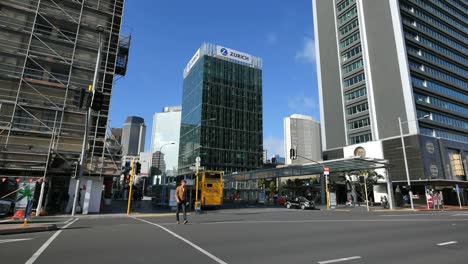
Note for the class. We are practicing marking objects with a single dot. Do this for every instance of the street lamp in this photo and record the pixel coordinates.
(163, 191)
(404, 157)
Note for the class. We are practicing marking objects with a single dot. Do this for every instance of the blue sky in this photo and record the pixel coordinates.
(166, 33)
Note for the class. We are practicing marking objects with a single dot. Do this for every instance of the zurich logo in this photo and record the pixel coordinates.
(224, 52)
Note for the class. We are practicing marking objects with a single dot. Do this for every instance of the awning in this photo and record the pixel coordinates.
(337, 165)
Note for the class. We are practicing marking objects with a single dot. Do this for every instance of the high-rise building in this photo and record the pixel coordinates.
(158, 162)
(48, 52)
(222, 111)
(378, 61)
(166, 130)
(302, 133)
(133, 136)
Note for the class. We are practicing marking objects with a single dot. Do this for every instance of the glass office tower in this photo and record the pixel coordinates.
(221, 111)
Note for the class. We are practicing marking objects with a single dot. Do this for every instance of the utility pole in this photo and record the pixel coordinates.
(406, 165)
(132, 176)
(88, 121)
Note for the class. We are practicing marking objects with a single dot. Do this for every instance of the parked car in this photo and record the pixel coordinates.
(6, 207)
(300, 202)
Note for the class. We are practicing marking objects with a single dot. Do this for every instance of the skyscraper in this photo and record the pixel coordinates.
(302, 133)
(48, 52)
(133, 136)
(222, 111)
(379, 61)
(166, 130)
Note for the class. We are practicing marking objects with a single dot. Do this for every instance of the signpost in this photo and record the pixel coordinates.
(457, 188)
(326, 172)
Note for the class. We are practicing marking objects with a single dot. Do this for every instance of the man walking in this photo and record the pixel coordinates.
(180, 198)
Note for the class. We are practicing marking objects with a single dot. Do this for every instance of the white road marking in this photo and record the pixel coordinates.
(47, 243)
(447, 243)
(460, 215)
(186, 241)
(338, 260)
(13, 240)
(68, 221)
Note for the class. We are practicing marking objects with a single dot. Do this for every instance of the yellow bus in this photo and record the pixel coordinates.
(210, 188)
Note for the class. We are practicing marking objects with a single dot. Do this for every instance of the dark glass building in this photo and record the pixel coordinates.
(222, 111)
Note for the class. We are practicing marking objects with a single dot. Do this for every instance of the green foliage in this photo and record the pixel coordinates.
(25, 192)
(272, 186)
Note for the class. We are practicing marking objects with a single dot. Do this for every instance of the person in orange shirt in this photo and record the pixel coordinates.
(180, 196)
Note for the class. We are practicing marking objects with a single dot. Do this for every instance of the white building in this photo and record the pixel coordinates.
(302, 133)
(166, 130)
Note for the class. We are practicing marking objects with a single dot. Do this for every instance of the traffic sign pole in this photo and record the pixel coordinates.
(458, 194)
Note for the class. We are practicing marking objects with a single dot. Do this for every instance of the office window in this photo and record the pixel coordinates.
(354, 80)
(360, 138)
(356, 94)
(357, 109)
(346, 16)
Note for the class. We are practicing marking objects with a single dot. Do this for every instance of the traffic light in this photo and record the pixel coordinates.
(126, 169)
(292, 154)
(127, 178)
(137, 168)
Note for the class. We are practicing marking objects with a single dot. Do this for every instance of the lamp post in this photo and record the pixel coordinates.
(405, 159)
(88, 121)
(163, 191)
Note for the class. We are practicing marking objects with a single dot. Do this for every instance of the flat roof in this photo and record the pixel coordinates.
(337, 165)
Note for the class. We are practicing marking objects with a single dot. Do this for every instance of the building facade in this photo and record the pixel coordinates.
(166, 130)
(379, 61)
(222, 111)
(48, 52)
(302, 133)
(133, 136)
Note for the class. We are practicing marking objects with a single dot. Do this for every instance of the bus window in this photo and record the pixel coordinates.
(213, 176)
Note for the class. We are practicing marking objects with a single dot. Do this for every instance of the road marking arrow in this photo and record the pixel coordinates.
(13, 240)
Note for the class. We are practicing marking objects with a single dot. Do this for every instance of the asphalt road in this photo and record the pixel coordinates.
(249, 236)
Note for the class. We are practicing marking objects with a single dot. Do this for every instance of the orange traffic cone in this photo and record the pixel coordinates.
(18, 215)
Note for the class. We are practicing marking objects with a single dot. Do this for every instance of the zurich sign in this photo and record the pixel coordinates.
(224, 52)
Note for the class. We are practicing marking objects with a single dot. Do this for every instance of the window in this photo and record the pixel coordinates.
(449, 120)
(451, 136)
(360, 138)
(357, 109)
(351, 53)
(436, 22)
(437, 60)
(353, 66)
(438, 88)
(359, 123)
(435, 34)
(437, 47)
(356, 94)
(349, 40)
(343, 18)
(22, 120)
(352, 25)
(456, 163)
(355, 79)
(344, 4)
(440, 14)
(438, 74)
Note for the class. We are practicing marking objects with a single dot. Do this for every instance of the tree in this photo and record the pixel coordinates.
(370, 178)
(272, 187)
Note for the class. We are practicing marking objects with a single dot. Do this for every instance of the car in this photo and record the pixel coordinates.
(300, 202)
(6, 207)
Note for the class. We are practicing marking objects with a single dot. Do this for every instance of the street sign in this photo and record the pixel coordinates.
(326, 170)
(197, 161)
(199, 168)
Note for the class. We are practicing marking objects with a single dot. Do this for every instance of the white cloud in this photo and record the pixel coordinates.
(307, 54)
(274, 145)
(272, 38)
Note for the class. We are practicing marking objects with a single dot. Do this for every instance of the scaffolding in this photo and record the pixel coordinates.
(48, 50)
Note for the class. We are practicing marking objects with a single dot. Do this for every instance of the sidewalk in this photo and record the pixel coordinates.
(10, 229)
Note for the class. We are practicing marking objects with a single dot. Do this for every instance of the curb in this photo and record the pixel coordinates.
(31, 229)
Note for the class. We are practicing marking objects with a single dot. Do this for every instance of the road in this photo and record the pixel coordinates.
(249, 236)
